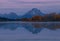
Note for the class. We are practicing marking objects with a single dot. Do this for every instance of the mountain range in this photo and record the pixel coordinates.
(29, 14)
(32, 15)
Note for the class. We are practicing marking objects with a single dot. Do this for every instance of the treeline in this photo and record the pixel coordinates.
(7, 19)
(45, 18)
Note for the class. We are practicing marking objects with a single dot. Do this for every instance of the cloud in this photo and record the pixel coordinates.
(34, 1)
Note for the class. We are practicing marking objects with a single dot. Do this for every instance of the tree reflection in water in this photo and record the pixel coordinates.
(32, 27)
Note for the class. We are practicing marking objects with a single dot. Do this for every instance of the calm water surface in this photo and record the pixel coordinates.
(26, 31)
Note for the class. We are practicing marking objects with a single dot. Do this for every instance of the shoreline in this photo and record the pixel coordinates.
(25, 22)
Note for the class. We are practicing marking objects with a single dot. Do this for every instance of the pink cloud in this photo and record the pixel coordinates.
(38, 0)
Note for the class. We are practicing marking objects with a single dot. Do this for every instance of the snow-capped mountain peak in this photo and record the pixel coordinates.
(32, 13)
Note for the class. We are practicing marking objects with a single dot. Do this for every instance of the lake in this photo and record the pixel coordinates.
(29, 31)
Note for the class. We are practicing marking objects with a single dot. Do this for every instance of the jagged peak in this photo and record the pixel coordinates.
(35, 9)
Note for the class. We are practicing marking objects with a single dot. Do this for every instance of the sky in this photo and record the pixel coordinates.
(26, 3)
(24, 6)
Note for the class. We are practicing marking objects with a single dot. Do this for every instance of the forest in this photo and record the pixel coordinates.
(52, 17)
(46, 18)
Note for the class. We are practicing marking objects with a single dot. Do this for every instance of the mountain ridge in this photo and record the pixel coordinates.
(32, 13)
(29, 14)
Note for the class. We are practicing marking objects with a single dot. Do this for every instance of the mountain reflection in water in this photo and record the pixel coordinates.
(32, 27)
